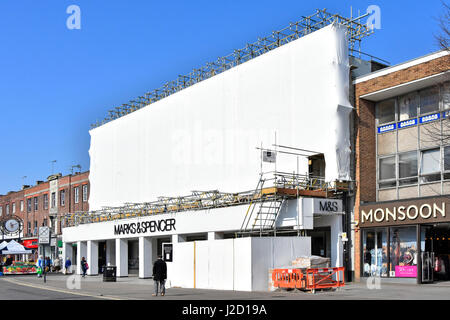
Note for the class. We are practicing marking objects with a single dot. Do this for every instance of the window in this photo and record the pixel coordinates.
(29, 205)
(429, 100)
(36, 203)
(21, 205)
(403, 252)
(375, 254)
(45, 201)
(446, 95)
(386, 111)
(85, 193)
(35, 228)
(430, 165)
(407, 168)
(7, 209)
(77, 194)
(408, 106)
(387, 172)
(53, 199)
(44, 223)
(29, 228)
(14, 208)
(1, 211)
(62, 197)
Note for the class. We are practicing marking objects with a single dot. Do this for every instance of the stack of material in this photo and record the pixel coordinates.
(311, 262)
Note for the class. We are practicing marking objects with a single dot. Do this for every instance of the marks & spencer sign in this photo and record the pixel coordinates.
(408, 212)
(164, 225)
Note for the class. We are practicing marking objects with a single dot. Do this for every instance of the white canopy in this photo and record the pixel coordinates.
(14, 247)
(3, 245)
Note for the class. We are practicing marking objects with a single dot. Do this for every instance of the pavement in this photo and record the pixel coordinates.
(58, 286)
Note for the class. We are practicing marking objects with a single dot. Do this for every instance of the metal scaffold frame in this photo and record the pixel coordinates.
(321, 18)
(276, 185)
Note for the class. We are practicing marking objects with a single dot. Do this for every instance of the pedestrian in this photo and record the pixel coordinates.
(159, 276)
(67, 266)
(56, 265)
(48, 264)
(40, 265)
(84, 266)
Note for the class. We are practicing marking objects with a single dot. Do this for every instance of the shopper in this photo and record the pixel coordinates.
(40, 266)
(84, 266)
(67, 266)
(159, 276)
(57, 265)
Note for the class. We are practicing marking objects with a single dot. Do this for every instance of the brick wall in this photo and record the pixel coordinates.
(365, 132)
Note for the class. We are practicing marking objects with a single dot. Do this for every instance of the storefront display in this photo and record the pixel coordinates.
(403, 252)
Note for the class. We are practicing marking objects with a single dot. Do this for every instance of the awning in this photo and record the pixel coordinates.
(14, 247)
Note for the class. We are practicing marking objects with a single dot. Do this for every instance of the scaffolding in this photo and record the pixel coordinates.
(273, 186)
(321, 18)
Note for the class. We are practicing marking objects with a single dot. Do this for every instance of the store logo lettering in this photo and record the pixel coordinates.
(412, 212)
(386, 128)
(330, 206)
(407, 123)
(143, 227)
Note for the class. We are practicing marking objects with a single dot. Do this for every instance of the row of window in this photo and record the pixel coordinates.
(33, 203)
(410, 167)
(410, 105)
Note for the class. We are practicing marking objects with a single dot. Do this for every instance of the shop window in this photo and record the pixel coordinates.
(403, 262)
(407, 168)
(387, 172)
(375, 253)
(430, 165)
(408, 106)
(386, 111)
(429, 100)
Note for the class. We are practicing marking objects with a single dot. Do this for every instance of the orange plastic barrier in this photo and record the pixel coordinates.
(308, 279)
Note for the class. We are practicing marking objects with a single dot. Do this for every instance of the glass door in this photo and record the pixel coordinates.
(375, 253)
(426, 246)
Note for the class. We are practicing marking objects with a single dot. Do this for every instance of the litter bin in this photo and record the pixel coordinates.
(109, 273)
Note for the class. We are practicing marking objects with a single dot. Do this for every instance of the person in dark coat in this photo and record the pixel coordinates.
(159, 276)
(84, 266)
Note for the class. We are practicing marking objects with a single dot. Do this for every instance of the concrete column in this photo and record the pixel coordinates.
(145, 257)
(110, 253)
(92, 258)
(154, 241)
(67, 253)
(81, 252)
(215, 235)
(122, 257)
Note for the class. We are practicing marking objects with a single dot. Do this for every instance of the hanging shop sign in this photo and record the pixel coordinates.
(164, 225)
(408, 212)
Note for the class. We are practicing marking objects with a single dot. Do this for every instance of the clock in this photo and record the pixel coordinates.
(12, 225)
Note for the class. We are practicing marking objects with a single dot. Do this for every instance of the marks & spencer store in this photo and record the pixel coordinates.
(406, 239)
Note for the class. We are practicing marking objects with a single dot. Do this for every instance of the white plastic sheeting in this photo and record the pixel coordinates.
(205, 136)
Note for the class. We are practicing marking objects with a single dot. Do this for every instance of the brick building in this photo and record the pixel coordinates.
(45, 203)
(402, 147)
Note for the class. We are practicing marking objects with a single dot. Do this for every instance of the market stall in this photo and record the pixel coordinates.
(14, 248)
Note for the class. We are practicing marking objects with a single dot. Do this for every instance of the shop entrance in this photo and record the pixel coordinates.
(133, 257)
(101, 256)
(320, 241)
(435, 243)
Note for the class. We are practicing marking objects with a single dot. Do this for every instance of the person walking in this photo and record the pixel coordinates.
(40, 266)
(67, 266)
(159, 276)
(84, 266)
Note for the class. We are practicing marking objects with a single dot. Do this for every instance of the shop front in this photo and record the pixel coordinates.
(407, 239)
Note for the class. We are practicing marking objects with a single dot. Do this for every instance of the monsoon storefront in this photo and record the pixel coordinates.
(406, 239)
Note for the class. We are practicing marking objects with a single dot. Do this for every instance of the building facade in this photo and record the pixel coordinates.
(402, 217)
(44, 204)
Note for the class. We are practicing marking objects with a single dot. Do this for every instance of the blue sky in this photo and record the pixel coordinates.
(55, 82)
